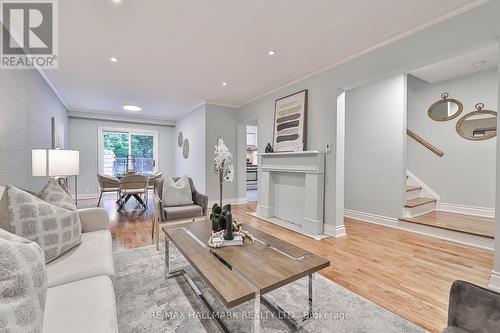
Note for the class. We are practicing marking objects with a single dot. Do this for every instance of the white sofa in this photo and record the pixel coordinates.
(80, 295)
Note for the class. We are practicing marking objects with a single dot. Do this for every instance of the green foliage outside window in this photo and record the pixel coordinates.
(141, 145)
(117, 143)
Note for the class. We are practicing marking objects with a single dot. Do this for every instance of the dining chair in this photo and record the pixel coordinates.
(108, 184)
(133, 185)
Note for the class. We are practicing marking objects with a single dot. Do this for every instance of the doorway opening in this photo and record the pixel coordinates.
(251, 161)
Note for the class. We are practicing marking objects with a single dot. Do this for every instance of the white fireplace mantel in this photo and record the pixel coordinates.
(291, 190)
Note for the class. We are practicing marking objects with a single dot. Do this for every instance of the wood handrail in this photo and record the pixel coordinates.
(424, 143)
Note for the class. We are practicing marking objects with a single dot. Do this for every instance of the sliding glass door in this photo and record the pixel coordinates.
(127, 149)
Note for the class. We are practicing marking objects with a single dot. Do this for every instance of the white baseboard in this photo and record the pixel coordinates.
(335, 231)
(479, 242)
(231, 201)
(468, 210)
(494, 281)
(288, 226)
(372, 218)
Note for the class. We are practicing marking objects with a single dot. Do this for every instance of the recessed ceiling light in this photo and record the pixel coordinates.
(271, 52)
(224, 84)
(117, 1)
(478, 63)
(130, 107)
(113, 59)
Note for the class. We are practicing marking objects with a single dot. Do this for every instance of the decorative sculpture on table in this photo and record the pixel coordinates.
(224, 227)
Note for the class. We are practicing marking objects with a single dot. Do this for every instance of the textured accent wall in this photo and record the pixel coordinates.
(27, 104)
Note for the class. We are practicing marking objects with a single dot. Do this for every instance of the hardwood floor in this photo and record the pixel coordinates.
(480, 226)
(406, 273)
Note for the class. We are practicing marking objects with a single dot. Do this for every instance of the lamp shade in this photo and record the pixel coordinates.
(63, 162)
(39, 162)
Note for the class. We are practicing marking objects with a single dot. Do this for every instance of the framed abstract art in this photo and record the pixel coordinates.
(290, 122)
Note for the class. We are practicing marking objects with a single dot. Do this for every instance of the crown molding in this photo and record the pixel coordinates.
(108, 116)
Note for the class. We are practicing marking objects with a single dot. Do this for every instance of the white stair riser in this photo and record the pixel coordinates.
(413, 194)
(419, 210)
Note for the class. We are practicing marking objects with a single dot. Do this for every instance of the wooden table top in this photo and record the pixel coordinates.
(266, 264)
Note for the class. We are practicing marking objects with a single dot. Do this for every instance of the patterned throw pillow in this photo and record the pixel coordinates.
(55, 229)
(23, 284)
(53, 193)
(177, 193)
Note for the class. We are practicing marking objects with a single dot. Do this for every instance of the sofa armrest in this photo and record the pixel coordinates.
(201, 200)
(94, 219)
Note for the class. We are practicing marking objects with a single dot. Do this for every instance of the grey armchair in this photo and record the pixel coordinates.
(473, 309)
(176, 214)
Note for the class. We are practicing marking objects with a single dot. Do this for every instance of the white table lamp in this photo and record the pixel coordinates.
(39, 162)
(56, 163)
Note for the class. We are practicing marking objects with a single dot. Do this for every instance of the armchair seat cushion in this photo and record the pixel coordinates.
(93, 257)
(182, 212)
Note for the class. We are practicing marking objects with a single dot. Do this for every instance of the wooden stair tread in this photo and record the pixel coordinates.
(410, 188)
(473, 225)
(412, 203)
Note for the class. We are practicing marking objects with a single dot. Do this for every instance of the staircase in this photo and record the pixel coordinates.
(422, 215)
(419, 199)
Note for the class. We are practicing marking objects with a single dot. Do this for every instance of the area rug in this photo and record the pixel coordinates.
(149, 302)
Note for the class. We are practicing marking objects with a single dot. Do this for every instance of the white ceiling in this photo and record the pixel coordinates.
(464, 64)
(174, 54)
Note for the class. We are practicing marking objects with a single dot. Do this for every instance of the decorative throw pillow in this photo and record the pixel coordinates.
(177, 193)
(23, 284)
(55, 229)
(53, 193)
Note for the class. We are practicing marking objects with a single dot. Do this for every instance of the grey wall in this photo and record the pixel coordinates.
(321, 122)
(465, 175)
(27, 104)
(84, 137)
(375, 139)
(221, 122)
(192, 127)
(422, 48)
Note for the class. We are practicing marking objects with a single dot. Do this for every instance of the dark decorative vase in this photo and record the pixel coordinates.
(222, 223)
(228, 235)
(269, 149)
(215, 224)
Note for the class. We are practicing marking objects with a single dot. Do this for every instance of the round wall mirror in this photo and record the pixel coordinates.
(478, 125)
(445, 109)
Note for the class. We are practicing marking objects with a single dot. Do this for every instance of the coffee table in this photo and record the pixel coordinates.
(239, 274)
